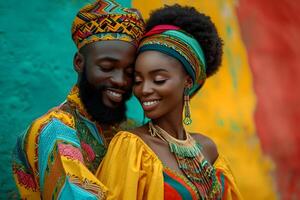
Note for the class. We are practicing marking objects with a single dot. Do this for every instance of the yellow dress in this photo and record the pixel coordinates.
(131, 170)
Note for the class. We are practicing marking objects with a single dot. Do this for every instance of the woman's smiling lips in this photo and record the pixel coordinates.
(149, 104)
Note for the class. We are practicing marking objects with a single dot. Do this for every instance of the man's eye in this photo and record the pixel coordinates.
(105, 69)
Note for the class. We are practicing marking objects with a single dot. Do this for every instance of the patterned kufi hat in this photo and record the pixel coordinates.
(107, 20)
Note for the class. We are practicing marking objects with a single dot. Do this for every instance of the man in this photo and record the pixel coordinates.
(60, 152)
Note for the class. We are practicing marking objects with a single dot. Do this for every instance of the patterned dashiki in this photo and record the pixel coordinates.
(60, 152)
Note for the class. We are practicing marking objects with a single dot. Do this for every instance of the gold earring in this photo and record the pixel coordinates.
(187, 111)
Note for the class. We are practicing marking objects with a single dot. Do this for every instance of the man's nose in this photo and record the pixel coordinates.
(118, 78)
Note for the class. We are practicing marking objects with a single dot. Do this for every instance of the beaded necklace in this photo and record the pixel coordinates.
(192, 162)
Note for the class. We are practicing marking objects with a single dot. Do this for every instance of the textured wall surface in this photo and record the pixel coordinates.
(271, 31)
(36, 67)
(37, 73)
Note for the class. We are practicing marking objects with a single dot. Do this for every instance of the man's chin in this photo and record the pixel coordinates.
(111, 104)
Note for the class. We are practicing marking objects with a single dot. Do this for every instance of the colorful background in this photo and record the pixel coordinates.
(250, 108)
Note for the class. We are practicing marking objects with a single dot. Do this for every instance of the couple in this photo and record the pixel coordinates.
(164, 62)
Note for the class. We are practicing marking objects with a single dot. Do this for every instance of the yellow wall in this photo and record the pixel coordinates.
(224, 107)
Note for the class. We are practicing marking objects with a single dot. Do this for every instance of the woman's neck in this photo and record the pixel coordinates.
(172, 125)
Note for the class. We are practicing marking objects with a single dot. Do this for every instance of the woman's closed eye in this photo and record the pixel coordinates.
(137, 80)
(159, 79)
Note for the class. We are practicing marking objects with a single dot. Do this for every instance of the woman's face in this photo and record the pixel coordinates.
(159, 84)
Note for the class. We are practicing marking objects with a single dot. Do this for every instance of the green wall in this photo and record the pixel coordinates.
(36, 68)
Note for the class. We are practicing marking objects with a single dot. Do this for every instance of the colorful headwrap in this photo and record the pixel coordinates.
(107, 20)
(174, 42)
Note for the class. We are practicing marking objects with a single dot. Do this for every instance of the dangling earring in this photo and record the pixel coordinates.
(187, 111)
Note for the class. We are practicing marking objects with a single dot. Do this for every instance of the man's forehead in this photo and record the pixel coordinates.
(115, 45)
(113, 51)
(112, 44)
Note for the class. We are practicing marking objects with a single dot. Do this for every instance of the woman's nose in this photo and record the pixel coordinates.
(147, 88)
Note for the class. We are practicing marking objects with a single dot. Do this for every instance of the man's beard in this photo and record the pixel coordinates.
(91, 97)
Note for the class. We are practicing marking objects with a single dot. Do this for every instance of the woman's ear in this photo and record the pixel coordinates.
(188, 82)
(78, 62)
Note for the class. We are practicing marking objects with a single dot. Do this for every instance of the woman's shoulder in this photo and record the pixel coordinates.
(134, 140)
(210, 149)
(136, 135)
(132, 137)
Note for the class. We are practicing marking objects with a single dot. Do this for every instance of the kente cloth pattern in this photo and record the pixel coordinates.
(58, 155)
(176, 43)
(107, 20)
(178, 187)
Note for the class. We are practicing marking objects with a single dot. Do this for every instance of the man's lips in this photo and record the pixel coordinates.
(114, 95)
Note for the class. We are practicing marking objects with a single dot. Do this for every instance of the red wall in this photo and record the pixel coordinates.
(271, 32)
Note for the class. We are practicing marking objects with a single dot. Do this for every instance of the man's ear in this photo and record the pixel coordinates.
(78, 62)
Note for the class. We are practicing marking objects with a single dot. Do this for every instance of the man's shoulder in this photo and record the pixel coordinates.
(55, 117)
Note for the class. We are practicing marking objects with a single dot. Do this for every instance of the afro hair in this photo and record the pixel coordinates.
(198, 25)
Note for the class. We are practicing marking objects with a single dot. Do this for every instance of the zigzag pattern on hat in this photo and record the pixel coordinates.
(109, 24)
(106, 17)
(109, 7)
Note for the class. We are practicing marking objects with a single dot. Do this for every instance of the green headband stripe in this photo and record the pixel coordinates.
(195, 46)
(170, 52)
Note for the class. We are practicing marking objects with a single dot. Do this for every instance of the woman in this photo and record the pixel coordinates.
(160, 160)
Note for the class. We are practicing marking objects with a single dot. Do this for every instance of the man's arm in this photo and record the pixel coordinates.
(54, 155)
(23, 173)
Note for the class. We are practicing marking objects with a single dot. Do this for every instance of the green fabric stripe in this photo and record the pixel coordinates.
(125, 3)
(181, 189)
(222, 183)
(192, 42)
(172, 53)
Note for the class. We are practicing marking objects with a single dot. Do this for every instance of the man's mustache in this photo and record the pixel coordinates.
(105, 87)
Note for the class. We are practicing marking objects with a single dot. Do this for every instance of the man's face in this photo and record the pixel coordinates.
(106, 79)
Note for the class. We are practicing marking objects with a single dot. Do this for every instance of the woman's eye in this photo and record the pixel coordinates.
(137, 81)
(160, 81)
